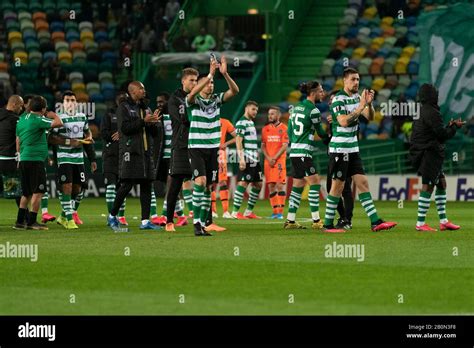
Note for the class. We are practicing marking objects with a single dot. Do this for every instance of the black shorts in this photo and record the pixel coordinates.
(72, 174)
(163, 170)
(179, 163)
(110, 178)
(204, 163)
(251, 173)
(425, 180)
(303, 167)
(344, 165)
(33, 177)
(8, 167)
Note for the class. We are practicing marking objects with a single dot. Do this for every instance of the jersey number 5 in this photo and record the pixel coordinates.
(298, 123)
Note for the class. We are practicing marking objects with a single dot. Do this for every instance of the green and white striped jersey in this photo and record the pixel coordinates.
(245, 128)
(73, 127)
(168, 135)
(304, 120)
(344, 139)
(204, 115)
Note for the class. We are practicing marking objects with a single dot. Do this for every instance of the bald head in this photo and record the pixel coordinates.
(15, 104)
(136, 90)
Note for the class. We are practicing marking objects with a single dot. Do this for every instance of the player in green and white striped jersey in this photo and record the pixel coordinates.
(70, 159)
(304, 121)
(250, 171)
(344, 159)
(203, 110)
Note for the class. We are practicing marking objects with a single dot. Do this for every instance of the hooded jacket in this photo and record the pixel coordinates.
(429, 134)
(136, 141)
(8, 121)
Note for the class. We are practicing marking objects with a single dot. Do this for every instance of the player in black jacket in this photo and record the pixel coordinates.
(110, 157)
(427, 152)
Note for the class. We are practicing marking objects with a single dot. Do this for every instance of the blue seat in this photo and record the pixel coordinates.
(72, 35)
(49, 55)
(56, 26)
(413, 68)
(96, 98)
(109, 94)
(338, 68)
(65, 86)
(352, 32)
(375, 32)
(101, 36)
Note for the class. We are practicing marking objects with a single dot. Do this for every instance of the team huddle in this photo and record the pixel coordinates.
(183, 144)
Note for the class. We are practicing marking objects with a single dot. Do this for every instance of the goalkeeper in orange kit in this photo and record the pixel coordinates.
(274, 145)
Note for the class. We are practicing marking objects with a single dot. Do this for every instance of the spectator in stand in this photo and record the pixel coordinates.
(146, 40)
(124, 29)
(171, 10)
(229, 41)
(203, 42)
(16, 86)
(161, 29)
(182, 43)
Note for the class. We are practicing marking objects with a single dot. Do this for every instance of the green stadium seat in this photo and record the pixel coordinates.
(2, 57)
(21, 6)
(76, 76)
(6, 6)
(79, 56)
(17, 46)
(404, 81)
(26, 24)
(35, 57)
(105, 76)
(85, 26)
(24, 15)
(61, 46)
(93, 88)
(364, 65)
(32, 45)
(35, 6)
(12, 25)
(389, 65)
(383, 95)
(68, 25)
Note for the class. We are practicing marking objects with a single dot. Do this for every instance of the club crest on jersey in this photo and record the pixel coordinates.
(208, 109)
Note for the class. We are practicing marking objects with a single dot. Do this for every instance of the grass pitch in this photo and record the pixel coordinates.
(255, 267)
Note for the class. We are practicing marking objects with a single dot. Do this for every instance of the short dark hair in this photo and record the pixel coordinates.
(309, 86)
(274, 107)
(68, 94)
(37, 103)
(349, 71)
(27, 98)
(251, 102)
(201, 76)
(164, 94)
